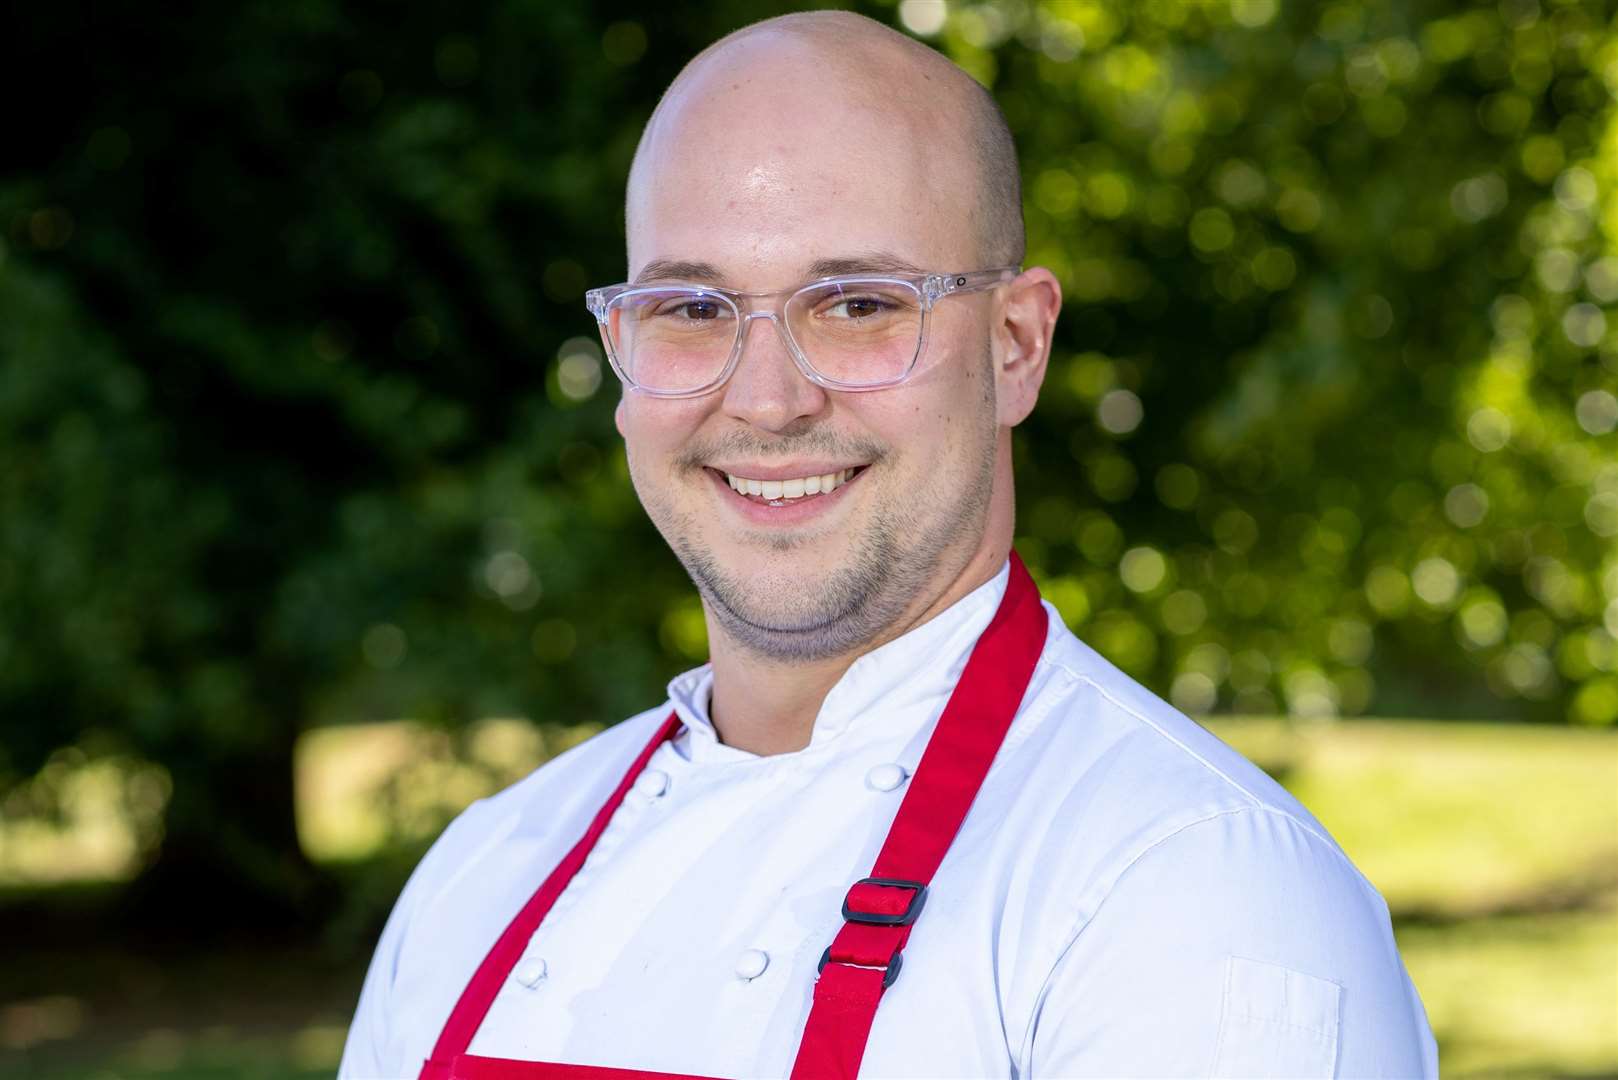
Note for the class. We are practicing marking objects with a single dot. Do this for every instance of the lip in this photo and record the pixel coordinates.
(796, 512)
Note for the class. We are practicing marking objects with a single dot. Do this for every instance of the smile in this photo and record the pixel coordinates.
(781, 499)
(796, 488)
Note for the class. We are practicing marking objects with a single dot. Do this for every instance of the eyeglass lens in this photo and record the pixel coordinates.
(856, 332)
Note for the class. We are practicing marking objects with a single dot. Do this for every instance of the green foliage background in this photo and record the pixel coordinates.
(302, 420)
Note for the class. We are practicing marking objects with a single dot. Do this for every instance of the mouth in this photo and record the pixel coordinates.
(785, 492)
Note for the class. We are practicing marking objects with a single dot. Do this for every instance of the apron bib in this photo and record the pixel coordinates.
(865, 956)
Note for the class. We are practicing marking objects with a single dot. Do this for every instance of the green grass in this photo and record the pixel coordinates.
(1496, 847)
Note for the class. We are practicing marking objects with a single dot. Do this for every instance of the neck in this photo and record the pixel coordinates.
(765, 706)
(768, 706)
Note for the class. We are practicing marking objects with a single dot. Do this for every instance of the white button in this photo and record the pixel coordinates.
(751, 964)
(530, 973)
(886, 777)
(652, 783)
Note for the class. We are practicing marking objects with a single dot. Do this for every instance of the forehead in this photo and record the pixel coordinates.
(771, 156)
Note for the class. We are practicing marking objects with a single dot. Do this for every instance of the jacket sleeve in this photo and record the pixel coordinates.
(1246, 945)
(367, 1033)
(374, 1047)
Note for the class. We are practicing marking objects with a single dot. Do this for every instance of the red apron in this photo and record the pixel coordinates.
(864, 957)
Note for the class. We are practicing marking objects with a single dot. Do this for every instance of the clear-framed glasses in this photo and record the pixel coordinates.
(854, 332)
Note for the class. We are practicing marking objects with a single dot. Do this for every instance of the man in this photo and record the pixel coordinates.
(1073, 879)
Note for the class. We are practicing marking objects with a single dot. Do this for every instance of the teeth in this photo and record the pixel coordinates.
(789, 489)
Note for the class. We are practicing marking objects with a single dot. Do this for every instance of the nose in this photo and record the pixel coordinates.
(767, 390)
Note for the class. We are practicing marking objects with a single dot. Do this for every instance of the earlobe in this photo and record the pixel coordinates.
(618, 413)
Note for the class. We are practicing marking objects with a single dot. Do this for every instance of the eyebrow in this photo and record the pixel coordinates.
(875, 262)
(679, 270)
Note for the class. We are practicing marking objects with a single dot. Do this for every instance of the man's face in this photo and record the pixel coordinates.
(748, 176)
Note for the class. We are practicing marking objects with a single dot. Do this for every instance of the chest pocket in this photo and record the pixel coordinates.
(1276, 1022)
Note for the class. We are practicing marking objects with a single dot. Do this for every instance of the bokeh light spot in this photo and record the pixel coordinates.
(1482, 621)
(1193, 693)
(509, 577)
(1388, 591)
(50, 228)
(1211, 230)
(1184, 611)
(1274, 268)
(1488, 429)
(1601, 514)
(578, 368)
(1597, 411)
(1119, 412)
(1112, 476)
(1099, 539)
(1576, 190)
(1584, 324)
(1596, 702)
(923, 17)
(1478, 197)
(1436, 581)
(1601, 278)
(1142, 569)
(1070, 598)
(1298, 210)
(1235, 531)
(1253, 13)
(1178, 486)
(1466, 505)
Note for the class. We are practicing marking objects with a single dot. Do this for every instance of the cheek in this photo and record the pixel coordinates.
(655, 428)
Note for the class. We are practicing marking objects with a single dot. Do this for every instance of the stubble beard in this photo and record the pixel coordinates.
(825, 612)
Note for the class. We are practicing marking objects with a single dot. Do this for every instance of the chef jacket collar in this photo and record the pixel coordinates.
(881, 689)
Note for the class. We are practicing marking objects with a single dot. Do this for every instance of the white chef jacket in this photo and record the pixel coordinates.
(1127, 897)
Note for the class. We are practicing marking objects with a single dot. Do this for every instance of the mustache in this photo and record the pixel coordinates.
(735, 444)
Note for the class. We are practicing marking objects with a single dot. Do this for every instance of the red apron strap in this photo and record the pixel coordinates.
(864, 957)
(480, 993)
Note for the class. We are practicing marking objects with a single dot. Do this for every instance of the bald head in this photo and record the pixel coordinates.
(893, 109)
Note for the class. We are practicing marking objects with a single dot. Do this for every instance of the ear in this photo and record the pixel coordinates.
(1021, 336)
(618, 412)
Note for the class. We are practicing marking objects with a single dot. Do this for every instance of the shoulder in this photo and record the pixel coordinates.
(1172, 882)
(475, 876)
(579, 779)
(1099, 774)
(548, 806)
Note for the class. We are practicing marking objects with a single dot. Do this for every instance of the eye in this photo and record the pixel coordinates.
(692, 309)
(857, 307)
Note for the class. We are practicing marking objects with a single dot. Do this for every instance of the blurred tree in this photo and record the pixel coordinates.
(301, 418)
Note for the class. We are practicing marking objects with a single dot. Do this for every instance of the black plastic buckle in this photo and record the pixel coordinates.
(876, 918)
(891, 972)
